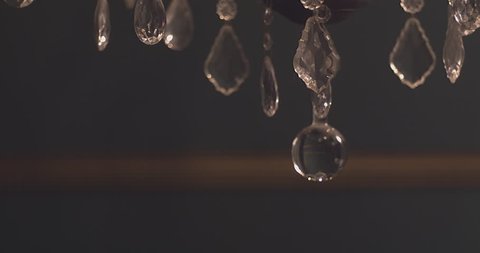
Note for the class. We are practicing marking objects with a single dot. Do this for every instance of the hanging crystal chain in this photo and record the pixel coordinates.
(227, 66)
(268, 79)
(318, 151)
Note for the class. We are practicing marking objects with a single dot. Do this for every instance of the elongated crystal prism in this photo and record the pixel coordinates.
(316, 60)
(102, 24)
(319, 152)
(149, 21)
(453, 50)
(179, 30)
(412, 58)
(19, 3)
(412, 6)
(467, 14)
(269, 88)
(226, 66)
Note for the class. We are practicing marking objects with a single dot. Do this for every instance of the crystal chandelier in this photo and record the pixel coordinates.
(319, 150)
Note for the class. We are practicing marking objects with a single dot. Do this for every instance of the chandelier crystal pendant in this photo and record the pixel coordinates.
(149, 21)
(227, 66)
(453, 49)
(179, 29)
(412, 58)
(467, 14)
(268, 78)
(19, 3)
(318, 151)
(102, 24)
(316, 60)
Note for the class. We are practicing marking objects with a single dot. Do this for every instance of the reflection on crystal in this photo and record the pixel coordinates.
(321, 103)
(149, 21)
(453, 50)
(412, 6)
(467, 14)
(130, 4)
(268, 15)
(102, 24)
(269, 88)
(412, 58)
(319, 152)
(316, 60)
(226, 9)
(19, 3)
(226, 66)
(179, 30)
(267, 41)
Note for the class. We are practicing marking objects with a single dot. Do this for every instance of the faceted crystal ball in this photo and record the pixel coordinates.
(226, 9)
(319, 152)
(412, 6)
(467, 14)
(312, 4)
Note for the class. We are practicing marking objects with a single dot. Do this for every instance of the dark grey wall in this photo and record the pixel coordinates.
(341, 222)
(58, 95)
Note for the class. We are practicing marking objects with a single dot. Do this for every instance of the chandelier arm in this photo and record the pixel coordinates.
(341, 10)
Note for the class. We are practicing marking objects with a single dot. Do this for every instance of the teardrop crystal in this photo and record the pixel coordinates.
(269, 88)
(467, 14)
(412, 6)
(129, 4)
(149, 21)
(19, 3)
(179, 30)
(453, 50)
(102, 24)
(316, 60)
(321, 103)
(226, 66)
(412, 58)
(319, 152)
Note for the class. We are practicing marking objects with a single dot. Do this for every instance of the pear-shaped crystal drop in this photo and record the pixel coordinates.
(319, 152)
(179, 30)
(19, 3)
(316, 60)
(412, 6)
(412, 58)
(453, 50)
(269, 88)
(129, 4)
(226, 66)
(102, 24)
(149, 21)
(467, 14)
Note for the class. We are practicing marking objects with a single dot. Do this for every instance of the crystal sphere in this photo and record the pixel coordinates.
(226, 9)
(312, 4)
(412, 6)
(19, 3)
(319, 152)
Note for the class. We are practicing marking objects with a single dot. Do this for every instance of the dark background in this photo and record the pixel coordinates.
(59, 96)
